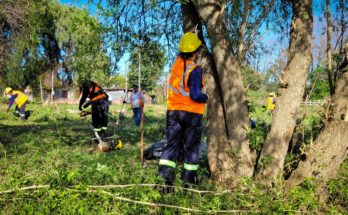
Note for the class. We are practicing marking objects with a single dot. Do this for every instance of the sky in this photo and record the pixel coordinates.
(269, 38)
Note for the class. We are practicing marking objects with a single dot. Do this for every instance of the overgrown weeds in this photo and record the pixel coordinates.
(51, 148)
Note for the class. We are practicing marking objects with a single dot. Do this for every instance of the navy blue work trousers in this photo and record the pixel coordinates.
(137, 115)
(184, 132)
(100, 111)
(21, 110)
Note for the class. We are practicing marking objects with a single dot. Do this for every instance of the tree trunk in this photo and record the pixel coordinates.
(331, 147)
(276, 145)
(2, 56)
(41, 91)
(52, 84)
(329, 50)
(236, 155)
(242, 31)
(343, 24)
(216, 132)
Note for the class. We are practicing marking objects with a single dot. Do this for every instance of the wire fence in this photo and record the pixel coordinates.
(310, 103)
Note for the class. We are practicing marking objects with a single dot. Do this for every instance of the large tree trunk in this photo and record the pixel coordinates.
(216, 127)
(236, 155)
(331, 147)
(329, 50)
(288, 103)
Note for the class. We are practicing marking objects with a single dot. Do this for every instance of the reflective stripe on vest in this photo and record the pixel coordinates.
(178, 90)
(192, 167)
(20, 99)
(167, 163)
(97, 129)
(182, 91)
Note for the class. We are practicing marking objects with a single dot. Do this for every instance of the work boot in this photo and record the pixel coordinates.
(102, 134)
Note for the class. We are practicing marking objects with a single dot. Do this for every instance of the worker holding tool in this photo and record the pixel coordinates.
(137, 103)
(98, 99)
(18, 98)
(185, 108)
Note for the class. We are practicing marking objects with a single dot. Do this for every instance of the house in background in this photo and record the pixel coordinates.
(118, 95)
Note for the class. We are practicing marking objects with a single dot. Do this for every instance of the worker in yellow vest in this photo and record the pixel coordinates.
(271, 102)
(18, 98)
(185, 109)
(137, 101)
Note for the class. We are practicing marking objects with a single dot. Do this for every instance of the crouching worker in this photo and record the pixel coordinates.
(185, 108)
(98, 99)
(19, 98)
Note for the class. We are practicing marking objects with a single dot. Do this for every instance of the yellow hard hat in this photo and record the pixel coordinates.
(189, 43)
(272, 94)
(8, 90)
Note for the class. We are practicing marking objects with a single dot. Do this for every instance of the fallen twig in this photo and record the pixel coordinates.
(168, 206)
(96, 187)
(158, 185)
(34, 187)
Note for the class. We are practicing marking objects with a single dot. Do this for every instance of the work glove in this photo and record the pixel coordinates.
(124, 102)
(86, 105)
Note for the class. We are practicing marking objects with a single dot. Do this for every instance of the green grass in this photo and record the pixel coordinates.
(52, 148)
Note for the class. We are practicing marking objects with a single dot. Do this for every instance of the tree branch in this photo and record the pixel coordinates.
(34, 187)
(242, 31)
(257, 25)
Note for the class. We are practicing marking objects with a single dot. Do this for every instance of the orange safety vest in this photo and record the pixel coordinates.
(96, 90)
(141, 102)
(178, 89)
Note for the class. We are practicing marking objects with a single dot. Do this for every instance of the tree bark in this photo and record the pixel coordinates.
(236, 155)
(329, 49)
(216, 132)
(331, 147)
(242, 31)
(276, 145)
(41, 91)
(2, 56)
